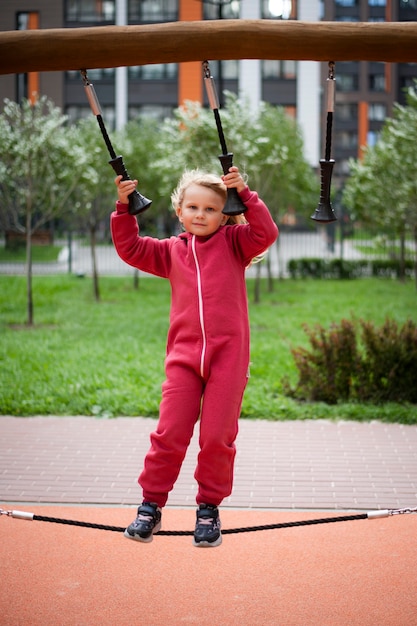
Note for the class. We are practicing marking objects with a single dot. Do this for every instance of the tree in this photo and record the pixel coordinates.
(39, 171)
(382, 188)
(94, 196)
(142, 144)
(266, 144)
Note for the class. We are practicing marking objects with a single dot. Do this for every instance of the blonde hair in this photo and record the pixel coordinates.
(213, 182)
(205, 179)
(197, 177)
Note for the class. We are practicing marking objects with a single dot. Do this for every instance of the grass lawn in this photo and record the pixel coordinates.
(106, 359)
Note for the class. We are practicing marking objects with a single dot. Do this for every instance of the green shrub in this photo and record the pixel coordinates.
(391, 268)
(312, 267)
(325, 371)
(379, 366)
(388, 369)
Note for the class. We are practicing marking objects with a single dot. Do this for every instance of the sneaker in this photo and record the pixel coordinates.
(147, 522)
(207, 528)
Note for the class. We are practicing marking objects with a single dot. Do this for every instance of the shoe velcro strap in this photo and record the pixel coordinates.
(208, 512)
(147, 509)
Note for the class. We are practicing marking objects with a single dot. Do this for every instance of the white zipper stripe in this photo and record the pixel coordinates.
(200, 306)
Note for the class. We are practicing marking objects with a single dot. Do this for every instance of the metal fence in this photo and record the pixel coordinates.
(320, 243)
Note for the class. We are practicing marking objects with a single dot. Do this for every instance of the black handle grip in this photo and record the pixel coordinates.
(234, 205)
(324, 212)
(137, 202)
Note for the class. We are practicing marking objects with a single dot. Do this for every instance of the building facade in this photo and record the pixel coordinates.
(365, 92)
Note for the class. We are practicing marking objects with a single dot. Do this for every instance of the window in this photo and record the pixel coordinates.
(406, 82)
(278, 9)
(278, 69)
(346, 140)
(343, 167)
(153, 111)
(229, 69)
(346, 112)
(377, 112)
(377, 82)
(408, 4)
(377, 3)
(79, 112)
(90, 10)
(346, 3)
(347, 76)
(22, 21)
(347, 82)
(152, 10)
(228, 9)
(157, 71)
(372, 138)
(93, 75)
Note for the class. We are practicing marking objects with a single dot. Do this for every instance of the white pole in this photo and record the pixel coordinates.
(250, 69)
(308, 90)
(121, 100)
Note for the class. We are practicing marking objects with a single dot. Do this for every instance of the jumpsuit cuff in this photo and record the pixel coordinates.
(245, 194)
(121, 207)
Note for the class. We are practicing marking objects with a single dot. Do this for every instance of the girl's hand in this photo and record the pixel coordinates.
(234, 179)
(124, 188)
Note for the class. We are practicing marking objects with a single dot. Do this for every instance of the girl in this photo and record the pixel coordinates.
(207, 355)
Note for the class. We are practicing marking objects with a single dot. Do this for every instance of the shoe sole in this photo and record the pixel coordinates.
(143, 539)
(207, 544)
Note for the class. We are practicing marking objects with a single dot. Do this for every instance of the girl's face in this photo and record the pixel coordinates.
(201, 210)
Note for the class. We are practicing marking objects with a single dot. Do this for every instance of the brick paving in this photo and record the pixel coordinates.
(279, 465)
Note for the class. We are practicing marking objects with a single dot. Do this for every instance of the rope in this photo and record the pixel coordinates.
(106, 136)
(57, 520)
(329, 123)
(220, 131)
(226, 531)
(182, 533)
(308, 522)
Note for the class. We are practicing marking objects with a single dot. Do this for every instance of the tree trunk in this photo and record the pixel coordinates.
(402, 257)
(94, 262)
(136, 279)
(29, 291)
(415, 256)
(69, 244)
(269, 272)
(280, 260)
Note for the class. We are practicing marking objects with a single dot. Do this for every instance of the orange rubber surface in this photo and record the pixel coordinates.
(360, 572)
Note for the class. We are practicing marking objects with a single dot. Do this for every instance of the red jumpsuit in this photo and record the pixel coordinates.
(207, 356)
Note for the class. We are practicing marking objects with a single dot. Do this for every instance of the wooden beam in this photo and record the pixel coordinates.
(174, 42)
